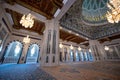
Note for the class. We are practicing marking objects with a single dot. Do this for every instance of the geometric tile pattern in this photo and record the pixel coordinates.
(73, 20)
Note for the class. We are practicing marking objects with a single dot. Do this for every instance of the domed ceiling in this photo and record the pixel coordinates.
(94, 11)
(87, 18)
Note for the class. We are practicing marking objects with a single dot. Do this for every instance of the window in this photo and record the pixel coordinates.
(33, 54)
(17, 49)
(32, 51)
(13, 52)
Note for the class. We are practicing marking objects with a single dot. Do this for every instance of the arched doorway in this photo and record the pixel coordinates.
(71, 55)
(65, 54)
(13, 52)
(77, 55)
(82, 55)
(32, 54)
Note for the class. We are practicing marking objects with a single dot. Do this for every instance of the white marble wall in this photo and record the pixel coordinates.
(51, 26)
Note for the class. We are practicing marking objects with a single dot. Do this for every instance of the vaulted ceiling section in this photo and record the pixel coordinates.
(67, 36)
(38, 25)
(87, 18)
(110, 38)
(46, 8)
(81, 18)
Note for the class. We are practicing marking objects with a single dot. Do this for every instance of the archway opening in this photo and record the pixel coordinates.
(13, 52)
(33, 54)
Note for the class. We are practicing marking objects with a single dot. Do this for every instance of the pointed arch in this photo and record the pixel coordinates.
(65, 54)
(33, 53)
(13, 52)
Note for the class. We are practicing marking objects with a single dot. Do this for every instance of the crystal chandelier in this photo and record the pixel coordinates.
(71, 47)
(113, 15)
(106, 48)
(90, 50)
(79, 48)
(27, 21)
(26, 39)
(60, 45)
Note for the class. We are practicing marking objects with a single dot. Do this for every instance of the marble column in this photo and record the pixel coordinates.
(24, 53)
(117, 51)
(97, 50)
(50, 52)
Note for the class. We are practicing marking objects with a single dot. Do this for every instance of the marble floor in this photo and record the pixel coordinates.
(76, 71)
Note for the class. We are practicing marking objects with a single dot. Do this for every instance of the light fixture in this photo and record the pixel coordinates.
(113, 15)
(61, 28)
(27, 21)
(26, 39)
(69, 31)
(106, 48)
(71, 47)
(90, 50)
(77, 34)
(86, 38)
(60, 45)
(79, 48)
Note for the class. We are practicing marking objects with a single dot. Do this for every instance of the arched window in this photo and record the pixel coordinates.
(82, 55)
(86, 56)
(32, 54)
(13, 52)
(71, 56)
(90, 56)
(65, 54)
(77, 55)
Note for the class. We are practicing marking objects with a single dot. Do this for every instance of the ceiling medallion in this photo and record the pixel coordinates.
(113, 16)
(27, 21)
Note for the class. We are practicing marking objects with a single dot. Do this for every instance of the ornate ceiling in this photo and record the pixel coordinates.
(67, 36)
(87, 18)
(46, 8)
(94, 11)
(38, 25)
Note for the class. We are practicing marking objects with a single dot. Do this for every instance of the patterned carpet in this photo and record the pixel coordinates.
(86, 71)
(79, 71)
(23, 72)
